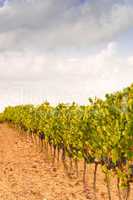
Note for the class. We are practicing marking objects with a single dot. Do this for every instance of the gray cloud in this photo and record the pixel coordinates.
(61, 24)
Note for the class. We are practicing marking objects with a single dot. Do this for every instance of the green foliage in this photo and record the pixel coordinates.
(1, 118)
(101, 131)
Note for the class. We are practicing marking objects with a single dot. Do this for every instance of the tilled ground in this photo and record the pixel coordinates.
(27, 174)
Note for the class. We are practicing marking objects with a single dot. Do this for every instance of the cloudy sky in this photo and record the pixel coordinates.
(64, 50)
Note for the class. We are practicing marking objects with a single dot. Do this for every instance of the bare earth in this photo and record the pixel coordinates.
(26, 174)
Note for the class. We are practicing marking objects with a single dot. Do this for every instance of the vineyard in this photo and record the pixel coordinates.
(100, 133)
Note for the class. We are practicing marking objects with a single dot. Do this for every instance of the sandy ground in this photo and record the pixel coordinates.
(26, 174)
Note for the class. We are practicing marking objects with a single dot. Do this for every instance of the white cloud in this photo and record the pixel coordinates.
(130, 61)
(63, 78)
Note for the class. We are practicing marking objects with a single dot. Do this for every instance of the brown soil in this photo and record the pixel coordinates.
(27, 174)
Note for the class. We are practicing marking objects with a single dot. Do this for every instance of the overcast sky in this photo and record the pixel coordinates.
(64, 50)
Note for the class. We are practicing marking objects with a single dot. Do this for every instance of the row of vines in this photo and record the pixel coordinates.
(100, 133)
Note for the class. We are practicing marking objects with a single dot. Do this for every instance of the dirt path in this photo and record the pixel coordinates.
(25, 173)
